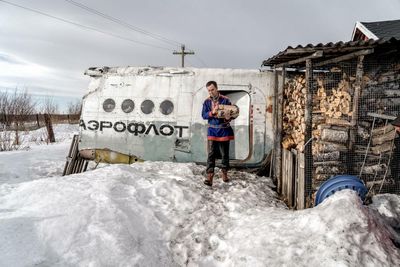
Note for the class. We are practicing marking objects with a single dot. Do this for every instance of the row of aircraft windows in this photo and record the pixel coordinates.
(147, 106)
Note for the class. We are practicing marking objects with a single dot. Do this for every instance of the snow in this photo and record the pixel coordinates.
(160, 214)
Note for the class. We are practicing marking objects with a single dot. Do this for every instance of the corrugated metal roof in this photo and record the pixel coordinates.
(330, 50)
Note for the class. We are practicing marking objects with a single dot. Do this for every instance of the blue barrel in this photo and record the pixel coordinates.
(340, 182)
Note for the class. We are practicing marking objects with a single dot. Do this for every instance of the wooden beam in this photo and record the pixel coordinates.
(278, 135)
(345, 57)
(316, 54)
(308, 133)
(354, 116)
(292, 51)
(274, 127)
(381, 116)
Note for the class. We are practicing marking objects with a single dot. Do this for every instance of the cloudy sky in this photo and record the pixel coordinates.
(46, 51)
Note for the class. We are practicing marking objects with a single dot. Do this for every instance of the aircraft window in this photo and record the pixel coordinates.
(147, 106)
(109, 105)
(166, 107)
(127, 105)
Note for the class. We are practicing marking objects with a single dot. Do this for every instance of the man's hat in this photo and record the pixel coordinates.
(396, 122)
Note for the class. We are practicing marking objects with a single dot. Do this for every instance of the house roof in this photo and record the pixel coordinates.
(329, 51)
(378, 29)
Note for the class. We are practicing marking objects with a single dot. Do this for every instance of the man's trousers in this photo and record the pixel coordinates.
(215, 149)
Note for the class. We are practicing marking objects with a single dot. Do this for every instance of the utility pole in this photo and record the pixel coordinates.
(183, 53)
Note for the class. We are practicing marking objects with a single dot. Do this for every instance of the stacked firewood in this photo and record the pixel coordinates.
(373, 143)
(328, 109)
(337, 103)
(293, 113)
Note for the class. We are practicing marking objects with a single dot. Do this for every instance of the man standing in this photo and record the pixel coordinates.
(219, 132)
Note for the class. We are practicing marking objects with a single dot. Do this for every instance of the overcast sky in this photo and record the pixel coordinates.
(47, 56)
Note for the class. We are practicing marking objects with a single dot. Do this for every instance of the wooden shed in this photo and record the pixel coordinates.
(333, 107)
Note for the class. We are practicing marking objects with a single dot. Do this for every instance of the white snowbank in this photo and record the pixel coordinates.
(160, 214)
(37, 160)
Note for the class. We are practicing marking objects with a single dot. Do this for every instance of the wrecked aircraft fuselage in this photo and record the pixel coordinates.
(154, 113)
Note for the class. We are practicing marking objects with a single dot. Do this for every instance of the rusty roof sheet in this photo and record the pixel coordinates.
(330, 50)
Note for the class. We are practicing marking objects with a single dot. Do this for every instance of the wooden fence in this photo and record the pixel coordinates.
(293, 183)
(35, 121)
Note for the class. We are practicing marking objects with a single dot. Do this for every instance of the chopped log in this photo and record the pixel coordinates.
(288, 142)
(330, 156)
(380, 139)
(339, 122)
(393, 92)
(382, 130)
(378, 168)
(327, 169)
(333, 127)
(323, 177)
(326, 163)
(363, 133)
(331, 135)
(324, 147)
(377, 183)
(379, 149)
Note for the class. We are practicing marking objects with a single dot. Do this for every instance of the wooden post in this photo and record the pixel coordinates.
(274, 127)
(300, 183)
(354, 117)
(278, 135)
(49, 127)
(278, 115)
(308, 158)
(37, 120)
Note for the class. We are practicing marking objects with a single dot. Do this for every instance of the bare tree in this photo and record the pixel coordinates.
(15, 110)
(5, 136)
(22, 106)
(4, 105)
(75, 108)
(49, 106)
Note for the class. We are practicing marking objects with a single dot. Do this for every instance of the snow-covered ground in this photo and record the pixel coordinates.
(160, 214)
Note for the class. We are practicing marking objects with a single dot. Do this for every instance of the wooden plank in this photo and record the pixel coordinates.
(290, 182)
(278, 135)
(308, 133)
(285, 167)
(330, 50)
(316, 54)
(356, 100)
(300, 183)
(381, 116)
(345, 57)
(274, 129)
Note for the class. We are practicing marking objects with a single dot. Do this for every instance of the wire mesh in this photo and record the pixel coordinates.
(350, 132)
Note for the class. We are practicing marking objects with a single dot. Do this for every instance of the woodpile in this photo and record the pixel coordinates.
(294, 126)
(336, 103)
(339, 147)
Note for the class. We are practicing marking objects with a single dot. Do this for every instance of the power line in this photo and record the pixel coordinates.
(123, 23)
(199, 59)
(84, 26)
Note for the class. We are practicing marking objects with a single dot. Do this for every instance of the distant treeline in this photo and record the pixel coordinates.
(37, 120)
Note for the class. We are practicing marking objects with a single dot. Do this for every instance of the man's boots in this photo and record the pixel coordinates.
(225, 176)
(209, 180)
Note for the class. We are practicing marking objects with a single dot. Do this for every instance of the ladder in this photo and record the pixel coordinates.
(387, 164)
